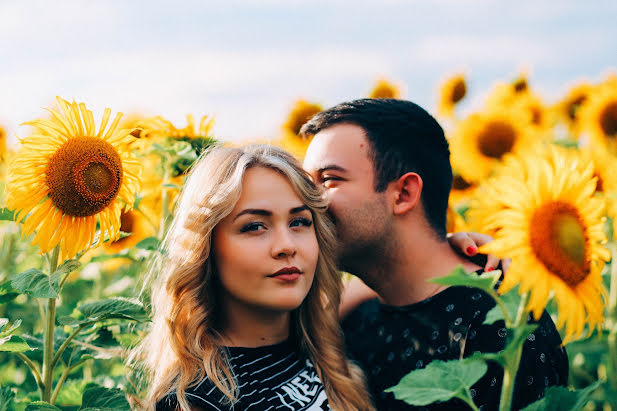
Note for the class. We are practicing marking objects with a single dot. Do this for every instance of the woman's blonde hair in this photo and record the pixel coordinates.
(183, 344)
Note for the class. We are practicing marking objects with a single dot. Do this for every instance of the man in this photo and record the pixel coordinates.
(386, 171)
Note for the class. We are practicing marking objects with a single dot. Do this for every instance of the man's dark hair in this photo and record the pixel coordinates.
(403, 138)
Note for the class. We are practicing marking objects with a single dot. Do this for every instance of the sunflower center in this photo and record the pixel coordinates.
(574, 105)
(496, 139)
(559, 240)
(520, 85)
(84, 176)
(459, 91)
(459, 183)
(608, 119)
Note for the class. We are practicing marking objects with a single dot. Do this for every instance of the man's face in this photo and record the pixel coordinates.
(338, 159)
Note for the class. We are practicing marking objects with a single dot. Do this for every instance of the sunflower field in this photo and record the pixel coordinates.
(85, 203)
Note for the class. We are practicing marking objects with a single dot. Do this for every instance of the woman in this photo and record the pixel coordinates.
(247, 291)
(245, 304)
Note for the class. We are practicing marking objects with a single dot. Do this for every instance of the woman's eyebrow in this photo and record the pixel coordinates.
(255, 211)
(296, 210)
(267, 213)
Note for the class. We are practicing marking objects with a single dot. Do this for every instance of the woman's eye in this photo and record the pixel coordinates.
(252, 227)
(301, 222)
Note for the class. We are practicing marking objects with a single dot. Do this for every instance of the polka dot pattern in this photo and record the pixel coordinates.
(388, 342)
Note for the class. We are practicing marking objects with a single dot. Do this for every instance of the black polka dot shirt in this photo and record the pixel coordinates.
(388, 342)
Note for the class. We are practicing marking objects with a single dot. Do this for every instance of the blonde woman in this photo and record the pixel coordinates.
(246, 297)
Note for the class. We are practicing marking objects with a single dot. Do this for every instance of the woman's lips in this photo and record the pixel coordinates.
(287, 274)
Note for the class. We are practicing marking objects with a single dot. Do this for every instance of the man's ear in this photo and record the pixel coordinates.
(407, 191)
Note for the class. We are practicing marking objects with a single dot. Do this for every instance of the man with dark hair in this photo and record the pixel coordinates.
(386, 171)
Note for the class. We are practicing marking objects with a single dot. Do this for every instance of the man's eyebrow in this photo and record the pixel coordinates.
(266, 213)
(331, 167)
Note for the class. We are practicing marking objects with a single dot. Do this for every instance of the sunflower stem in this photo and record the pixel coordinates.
(34, 369)
(513, 359)
(612, 315)
(48, 348)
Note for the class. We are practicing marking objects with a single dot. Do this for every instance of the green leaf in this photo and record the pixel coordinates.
(37, 284)
(6, 214)
(71, 393)
(68, 266)
(7, 292)
(561, 398)
(439, 381)
(67, 320)
(14, 343)
(459, 276)
(107, 257)
(103, 399)
(149, 243)
(511, 300)
(4, 322)
(41, 405)
(6, 397)
(118, 307)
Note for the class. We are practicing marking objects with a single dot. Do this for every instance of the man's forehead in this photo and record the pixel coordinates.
(342, 145)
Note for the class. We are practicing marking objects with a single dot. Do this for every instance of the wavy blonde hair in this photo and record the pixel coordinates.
(183, 344)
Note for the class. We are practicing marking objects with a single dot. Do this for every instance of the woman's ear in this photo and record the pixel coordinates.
(407, 191)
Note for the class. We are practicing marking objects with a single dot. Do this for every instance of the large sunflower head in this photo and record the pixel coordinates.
(301, 112)
(385, 89)
(543, 213)
(481, 140)
(451, 92)
(66, 177)
(462, 190)
(599, 117)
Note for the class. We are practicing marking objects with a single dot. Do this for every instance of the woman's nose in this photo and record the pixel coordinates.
(283, 244)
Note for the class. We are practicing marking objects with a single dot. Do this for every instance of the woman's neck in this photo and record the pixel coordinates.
(246, 326)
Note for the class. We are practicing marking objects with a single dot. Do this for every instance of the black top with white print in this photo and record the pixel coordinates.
(388, 342)
(271, 378)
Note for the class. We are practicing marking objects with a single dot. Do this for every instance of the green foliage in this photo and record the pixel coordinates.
(150, 243)
(37, 284)
(561, 398)
(511, 300)
(113, 308)
(6, 214)
(7, 292)
(104, 399)
(439, 381)
(6, 397)
(41, 406)
(10, 342)
(460, 277)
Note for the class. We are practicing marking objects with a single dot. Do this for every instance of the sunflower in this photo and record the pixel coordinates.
(599, 117)
(461, 191)
(134, 223)
(301, 112)
(451, 92)
(66, 177)
(385, 89)
(2, 144)
(568, 109)
(454, 221)
(481, 140)
(543, 213)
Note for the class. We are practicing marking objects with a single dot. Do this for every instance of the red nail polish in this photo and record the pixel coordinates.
(471, 250)
(490, 269)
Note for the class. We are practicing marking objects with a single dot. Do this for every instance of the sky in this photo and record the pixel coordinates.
(245, 62)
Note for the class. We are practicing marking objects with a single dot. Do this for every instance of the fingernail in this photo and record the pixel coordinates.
(490, 269)
(471, 250)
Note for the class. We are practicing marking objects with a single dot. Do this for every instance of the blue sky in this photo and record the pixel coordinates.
(245, 62)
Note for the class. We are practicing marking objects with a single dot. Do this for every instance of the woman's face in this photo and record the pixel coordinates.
(266, 250)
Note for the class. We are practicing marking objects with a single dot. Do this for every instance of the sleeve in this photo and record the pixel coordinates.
(544, 363)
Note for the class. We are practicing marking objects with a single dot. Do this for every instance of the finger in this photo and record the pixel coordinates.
(480, 239)
(463, 243)
(492, 262)
(505, 264)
